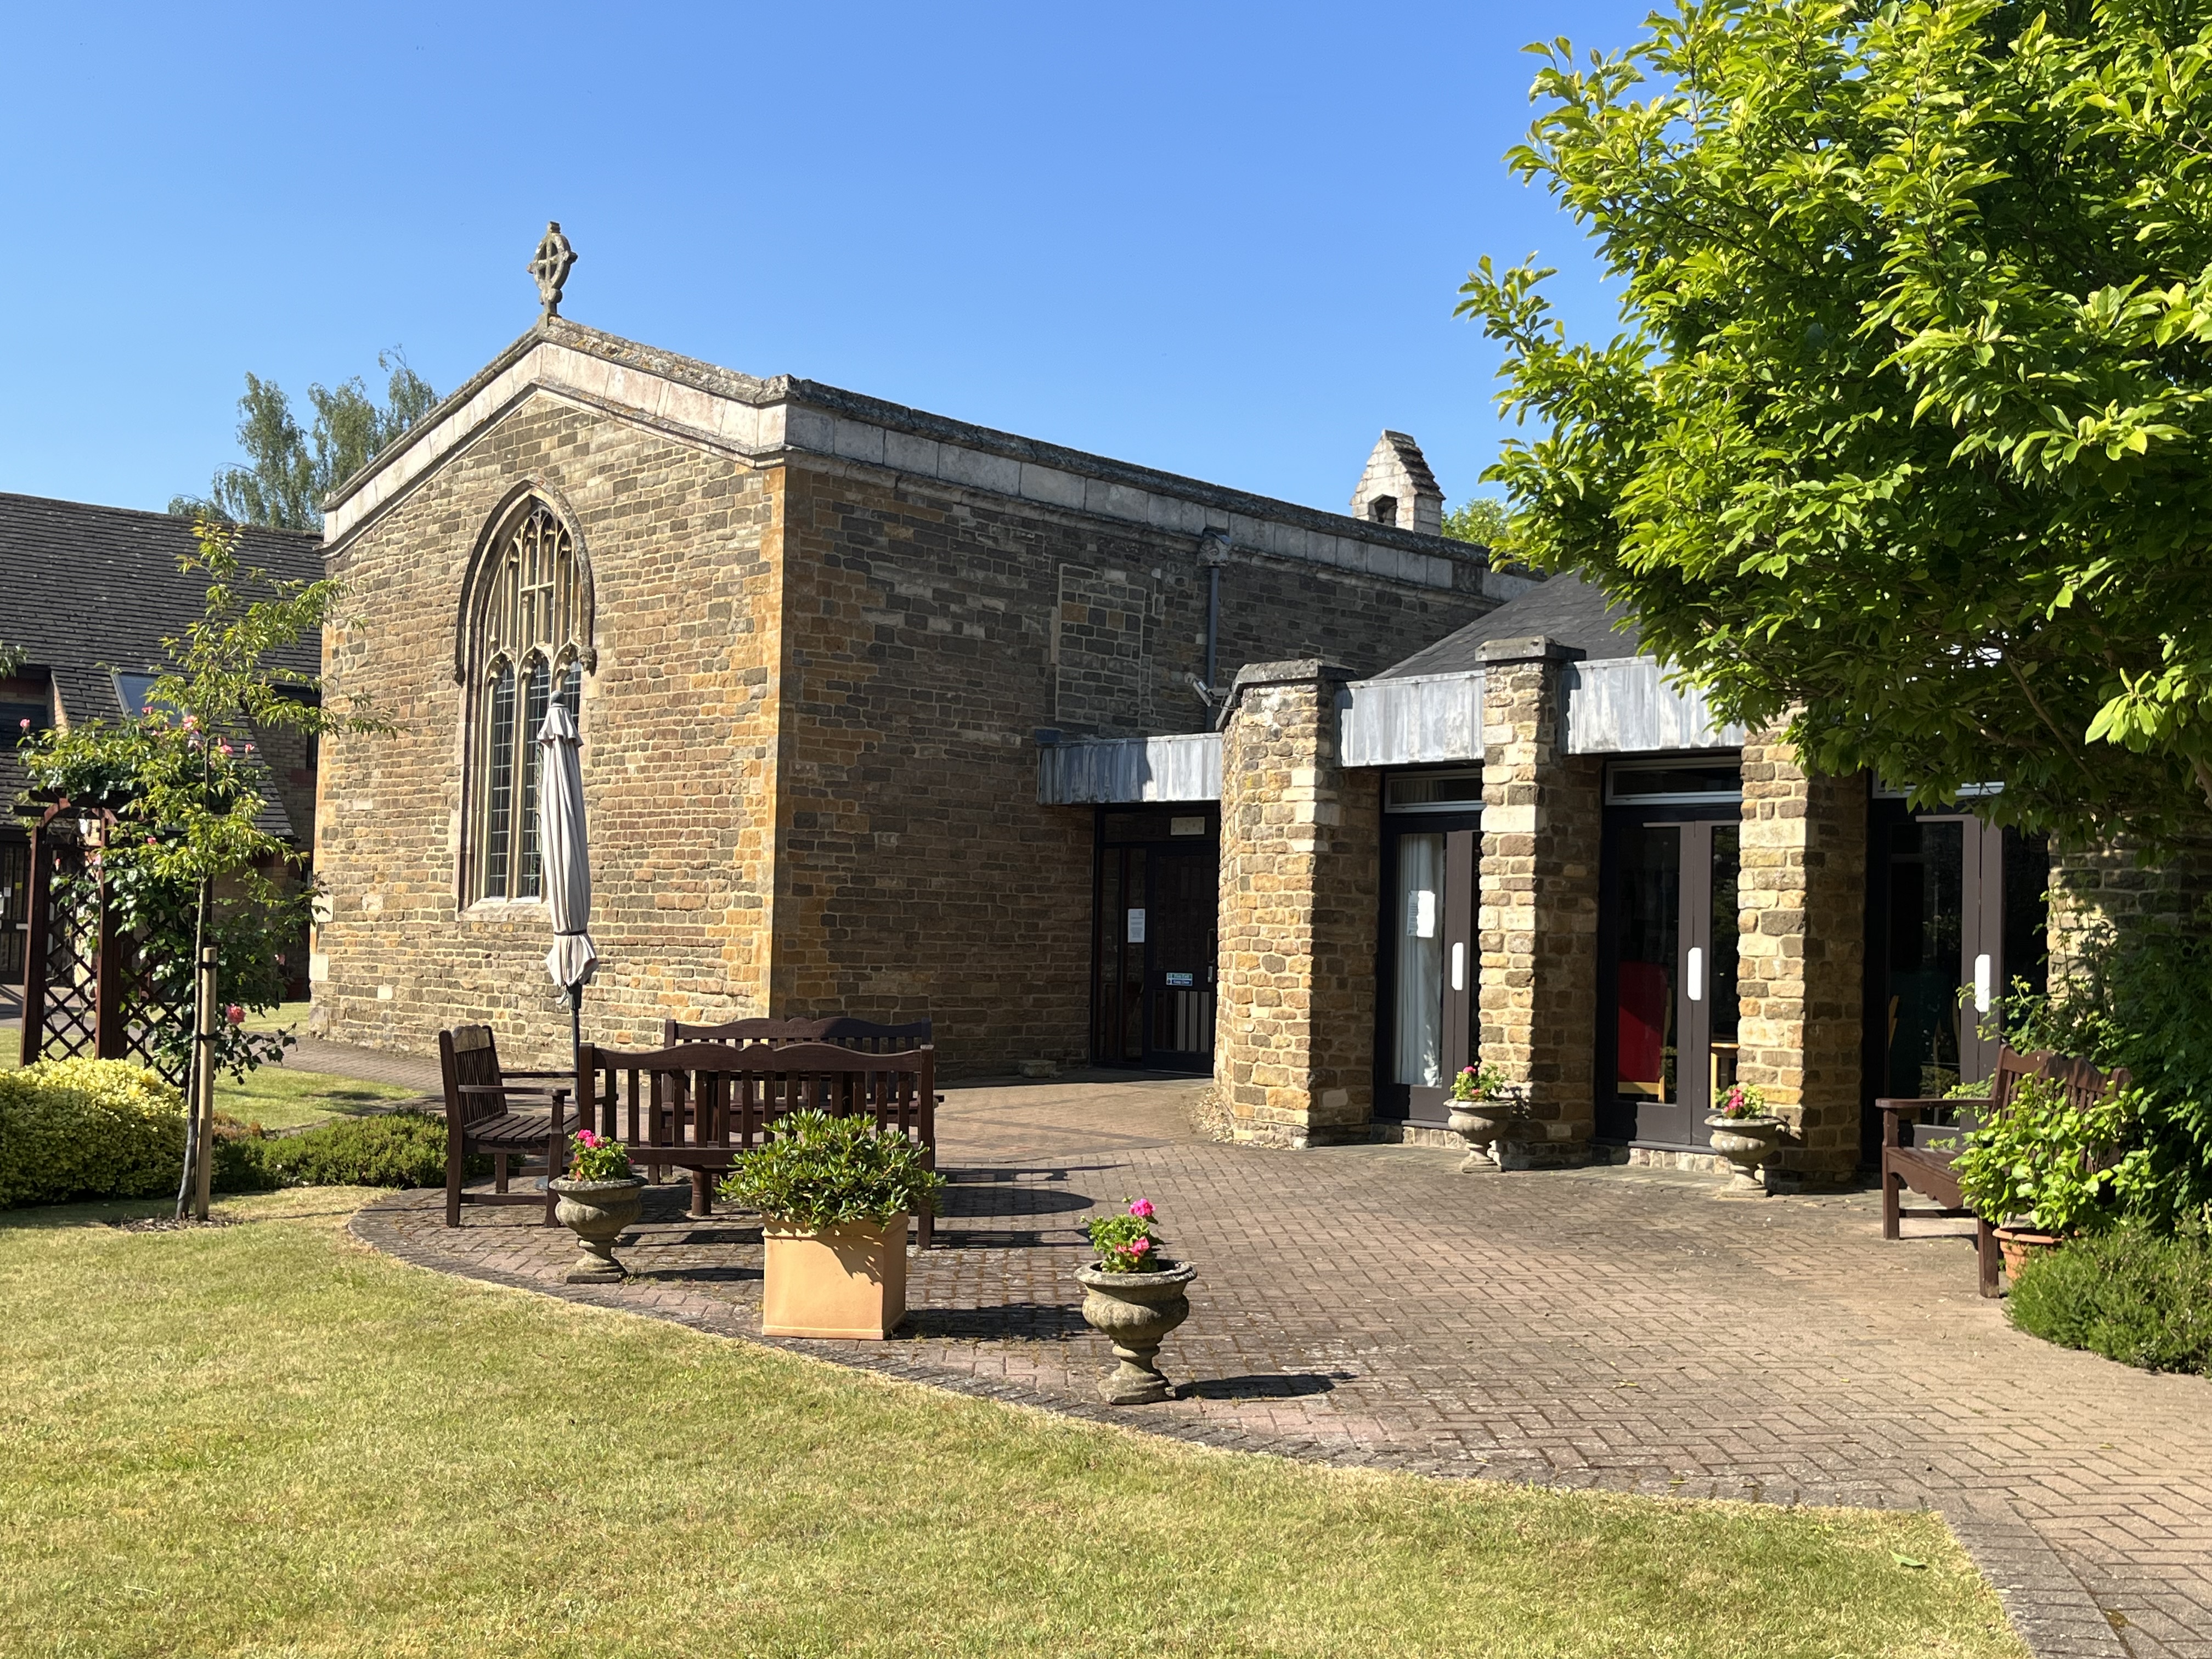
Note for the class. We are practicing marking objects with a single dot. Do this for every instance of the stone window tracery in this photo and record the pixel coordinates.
(531, 639)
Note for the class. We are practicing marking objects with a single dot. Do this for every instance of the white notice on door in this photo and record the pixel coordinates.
(1421, 920)
(1136, 934)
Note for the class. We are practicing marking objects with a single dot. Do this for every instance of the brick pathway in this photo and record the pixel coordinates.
(1629, 1329)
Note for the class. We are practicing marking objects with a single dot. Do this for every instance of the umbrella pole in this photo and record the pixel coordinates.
(584, 1101)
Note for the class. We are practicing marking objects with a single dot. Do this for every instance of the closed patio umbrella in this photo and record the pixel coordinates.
(564, 856)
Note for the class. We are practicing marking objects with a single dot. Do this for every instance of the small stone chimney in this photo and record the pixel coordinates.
(1398, 488)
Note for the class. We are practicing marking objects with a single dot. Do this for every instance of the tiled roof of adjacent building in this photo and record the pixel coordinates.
(1566, 608)
(86, 590)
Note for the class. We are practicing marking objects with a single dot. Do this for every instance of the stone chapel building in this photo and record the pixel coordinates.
(888, 715)
(818, 645)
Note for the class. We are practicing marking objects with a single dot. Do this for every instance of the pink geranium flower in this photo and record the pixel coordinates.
(1142, 1209)
(1139, 1246)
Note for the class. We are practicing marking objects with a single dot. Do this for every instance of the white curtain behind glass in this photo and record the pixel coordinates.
(1420, 960)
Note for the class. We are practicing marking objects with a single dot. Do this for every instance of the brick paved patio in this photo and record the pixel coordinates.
(1630, 1329)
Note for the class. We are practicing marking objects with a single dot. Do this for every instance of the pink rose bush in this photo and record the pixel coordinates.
(1126, 1243)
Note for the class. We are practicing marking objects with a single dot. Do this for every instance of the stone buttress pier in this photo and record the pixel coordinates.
(1294, 1049)
(1801, 964)
(1537, 898)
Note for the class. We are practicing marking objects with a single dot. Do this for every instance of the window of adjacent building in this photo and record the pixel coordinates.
(24, 709)
(530, 650)
(131, 690)
(1673, 782)
(1433, 791)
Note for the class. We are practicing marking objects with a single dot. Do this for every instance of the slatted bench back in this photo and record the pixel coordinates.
(468, 1057)
(725, 1097)
(840, 1030)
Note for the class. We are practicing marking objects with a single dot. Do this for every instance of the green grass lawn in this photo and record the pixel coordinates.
(282, 1096)
(262, 1439)
(279, 1098)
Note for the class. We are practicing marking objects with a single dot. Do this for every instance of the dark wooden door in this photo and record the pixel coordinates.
(1182, 893)
(1152, 989)
(14, 910)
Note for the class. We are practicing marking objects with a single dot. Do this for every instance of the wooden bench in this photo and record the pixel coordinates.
(506, 1114)
(697, 1105)
(840, 1030)
(1919, 1154)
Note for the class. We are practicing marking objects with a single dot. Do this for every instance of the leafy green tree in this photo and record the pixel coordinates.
(1484, 520)
(1906, 428)
(291, 469)
(187, 862)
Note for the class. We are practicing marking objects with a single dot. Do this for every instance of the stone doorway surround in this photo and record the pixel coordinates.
(1624, 1328)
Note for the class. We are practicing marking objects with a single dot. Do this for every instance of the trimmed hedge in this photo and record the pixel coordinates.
(391, 1148)
(2129, 1294)
(73, 1129)
(87, 1129)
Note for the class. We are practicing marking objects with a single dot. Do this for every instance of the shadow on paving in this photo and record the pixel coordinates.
(1048, 1321)
(1294, 1385)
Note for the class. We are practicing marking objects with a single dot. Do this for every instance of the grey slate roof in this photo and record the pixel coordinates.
(85, 589)
(1566, 608)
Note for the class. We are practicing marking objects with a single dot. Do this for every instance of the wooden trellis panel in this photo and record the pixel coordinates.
(87, 989)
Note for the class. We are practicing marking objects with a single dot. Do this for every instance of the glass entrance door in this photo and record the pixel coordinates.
(1668, 970)
(1960, 915)
(1428, 947)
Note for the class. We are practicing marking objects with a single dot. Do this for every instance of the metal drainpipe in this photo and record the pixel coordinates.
(1212, 619)
(1213, 548)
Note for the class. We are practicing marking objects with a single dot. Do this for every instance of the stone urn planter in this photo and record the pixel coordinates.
(1746, 1143)
(847, 1281)
(596, 1211)
(2019, 1241)
(1481, 1124)
(1135, 1312)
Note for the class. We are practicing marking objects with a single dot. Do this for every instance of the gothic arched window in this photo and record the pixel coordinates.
(532, 631)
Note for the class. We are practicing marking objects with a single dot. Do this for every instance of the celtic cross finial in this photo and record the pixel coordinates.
(551, 266)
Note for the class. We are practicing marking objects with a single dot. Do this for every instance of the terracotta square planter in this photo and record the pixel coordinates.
(847, 1281)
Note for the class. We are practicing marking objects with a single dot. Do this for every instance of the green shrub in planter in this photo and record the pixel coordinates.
(391, 1148)
(819, 1171)
(87, 1129)
(2128, 1294)
(2050, 1163)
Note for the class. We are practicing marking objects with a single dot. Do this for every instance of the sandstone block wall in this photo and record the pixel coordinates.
(1300, 856)
(1536, 905)
(1801, 961)
(2105, 893)
(678, 755)
(809, 745)
(932, 632)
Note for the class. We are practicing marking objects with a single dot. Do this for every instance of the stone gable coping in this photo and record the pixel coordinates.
(762, 422)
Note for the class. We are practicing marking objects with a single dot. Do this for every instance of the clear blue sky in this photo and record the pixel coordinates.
(1219, 240)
